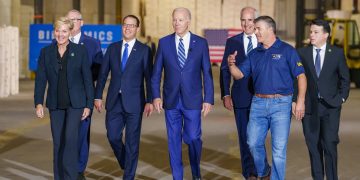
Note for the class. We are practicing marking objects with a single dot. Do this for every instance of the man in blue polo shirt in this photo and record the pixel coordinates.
(273, 66)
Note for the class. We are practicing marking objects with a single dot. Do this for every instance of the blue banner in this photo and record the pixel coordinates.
(42, 35)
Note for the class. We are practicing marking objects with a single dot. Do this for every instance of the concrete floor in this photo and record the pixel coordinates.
(26, 146)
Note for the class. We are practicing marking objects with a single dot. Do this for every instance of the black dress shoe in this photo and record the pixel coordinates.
(81, 176)
(196, 178)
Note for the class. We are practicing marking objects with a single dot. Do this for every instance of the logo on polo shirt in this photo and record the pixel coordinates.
(299, 64)
(276, 56)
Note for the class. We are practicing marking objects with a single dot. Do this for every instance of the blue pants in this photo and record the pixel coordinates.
(184, 124)
(65, 129)
(247, 161)
(126, 154)
(273, 114)
(84, 143)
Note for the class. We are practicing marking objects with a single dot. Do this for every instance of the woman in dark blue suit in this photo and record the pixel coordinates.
(64, 67)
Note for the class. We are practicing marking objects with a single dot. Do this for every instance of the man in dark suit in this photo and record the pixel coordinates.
(151, 44)
(184, 57)
(95, 58)
(241, 92)
(130, 62)
(328, 88)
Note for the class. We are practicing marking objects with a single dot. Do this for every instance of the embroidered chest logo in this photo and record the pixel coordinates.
(276, 56)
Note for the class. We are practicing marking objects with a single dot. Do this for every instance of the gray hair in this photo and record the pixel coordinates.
(256, 13)
(182, 9)
(75, 11)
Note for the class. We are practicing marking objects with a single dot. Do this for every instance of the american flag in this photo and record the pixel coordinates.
(217, 40)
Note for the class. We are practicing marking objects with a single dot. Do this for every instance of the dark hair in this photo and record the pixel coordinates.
(268, 20)
(323, 23)
(133, 16)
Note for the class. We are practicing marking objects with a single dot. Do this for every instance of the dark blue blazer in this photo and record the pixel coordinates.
(333, 83)
(95, 54)
(131, 81)
(81, 90)
(190, 81)
(242, 90)
(93, 47)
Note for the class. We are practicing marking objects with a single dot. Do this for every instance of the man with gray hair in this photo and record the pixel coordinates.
(241, 91)
(185, 59)
(95, 58)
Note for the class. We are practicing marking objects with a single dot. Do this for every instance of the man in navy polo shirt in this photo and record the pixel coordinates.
(273, 66)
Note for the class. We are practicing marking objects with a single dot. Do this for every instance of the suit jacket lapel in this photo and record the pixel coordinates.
(132, 56)
(310, 58)
(81, 40)
(119, 59)
(241, 43)
(191, 47)
(174, 50)
(53, 57)
(326, 62)
(71, 58)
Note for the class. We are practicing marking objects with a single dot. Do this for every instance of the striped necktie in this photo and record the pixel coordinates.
(250, 45)
(181, 53)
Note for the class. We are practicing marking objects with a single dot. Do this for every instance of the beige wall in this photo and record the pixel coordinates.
(156, 20)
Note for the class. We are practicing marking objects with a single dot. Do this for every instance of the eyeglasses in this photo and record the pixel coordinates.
(76, 19)
(129, 25)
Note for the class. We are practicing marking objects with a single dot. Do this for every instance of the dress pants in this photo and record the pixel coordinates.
(247, 161)
(117, 119)
(183, 124)
(84, 143)
(65, 130)
(321, 135)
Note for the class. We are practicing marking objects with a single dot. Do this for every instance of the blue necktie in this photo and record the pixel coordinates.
(181, 53)
(124, 57)
(250, 45)
(317, 62)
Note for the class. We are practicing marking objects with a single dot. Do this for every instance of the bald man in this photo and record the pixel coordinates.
(95, 58)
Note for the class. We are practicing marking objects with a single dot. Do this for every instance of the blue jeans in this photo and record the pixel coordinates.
(273, 114)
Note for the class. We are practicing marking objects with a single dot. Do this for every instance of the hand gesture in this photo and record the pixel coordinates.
(231, 59)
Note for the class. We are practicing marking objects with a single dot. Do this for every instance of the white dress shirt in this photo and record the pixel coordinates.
(246, 41)
(186, 42)
(76, 38)
(131, 44)
(322, 54)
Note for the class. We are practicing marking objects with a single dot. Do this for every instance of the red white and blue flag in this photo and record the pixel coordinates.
(217, 39)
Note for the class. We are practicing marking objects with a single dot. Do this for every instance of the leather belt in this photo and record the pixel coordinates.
(271, 95)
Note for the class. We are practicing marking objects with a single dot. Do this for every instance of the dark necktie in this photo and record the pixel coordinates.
(124, 56)
(250, 45)
(181, 53)
(317, 62)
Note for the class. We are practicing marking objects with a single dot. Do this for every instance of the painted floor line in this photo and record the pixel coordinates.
(25, 166)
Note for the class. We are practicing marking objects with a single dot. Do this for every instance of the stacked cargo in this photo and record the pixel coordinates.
(9, 61)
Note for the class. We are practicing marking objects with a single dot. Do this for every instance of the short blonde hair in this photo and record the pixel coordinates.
(64, 21)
